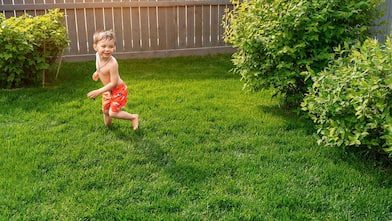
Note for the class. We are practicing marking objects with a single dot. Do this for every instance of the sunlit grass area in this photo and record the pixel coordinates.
(205, 150)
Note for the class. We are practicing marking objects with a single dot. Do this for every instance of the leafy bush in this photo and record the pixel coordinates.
(276, 40)
(350, 101)
(29, 46)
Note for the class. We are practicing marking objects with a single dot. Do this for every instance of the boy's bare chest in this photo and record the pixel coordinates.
(104, 74)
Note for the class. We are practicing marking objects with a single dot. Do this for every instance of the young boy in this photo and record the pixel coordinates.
(114, 91)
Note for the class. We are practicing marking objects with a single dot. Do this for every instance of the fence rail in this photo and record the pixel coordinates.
(143, 28)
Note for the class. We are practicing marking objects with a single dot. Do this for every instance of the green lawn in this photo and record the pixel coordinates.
(206, 150)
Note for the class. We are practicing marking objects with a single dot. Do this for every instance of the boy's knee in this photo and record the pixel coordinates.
(112, 113)
(106, 112)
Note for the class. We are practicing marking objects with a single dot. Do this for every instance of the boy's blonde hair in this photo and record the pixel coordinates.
(104, 35)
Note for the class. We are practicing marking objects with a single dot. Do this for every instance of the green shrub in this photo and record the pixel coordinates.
(276, 40)
(29, 46)
(350, 100)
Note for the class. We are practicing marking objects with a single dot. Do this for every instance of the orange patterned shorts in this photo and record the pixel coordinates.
(116, 99)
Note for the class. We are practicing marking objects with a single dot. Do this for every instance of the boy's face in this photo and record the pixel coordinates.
(105, 48)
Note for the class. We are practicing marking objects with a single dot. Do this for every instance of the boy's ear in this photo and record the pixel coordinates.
(95, 47)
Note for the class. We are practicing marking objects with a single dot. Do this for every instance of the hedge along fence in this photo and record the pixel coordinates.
(143, 28)
(30, 45)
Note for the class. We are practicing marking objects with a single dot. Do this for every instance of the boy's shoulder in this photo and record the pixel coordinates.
(113, 62)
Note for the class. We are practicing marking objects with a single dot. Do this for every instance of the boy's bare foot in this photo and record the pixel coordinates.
(135, 122)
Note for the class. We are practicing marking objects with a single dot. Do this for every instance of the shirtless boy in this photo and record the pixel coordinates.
(114, 91)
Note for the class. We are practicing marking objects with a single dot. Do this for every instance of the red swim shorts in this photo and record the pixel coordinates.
(116, 99)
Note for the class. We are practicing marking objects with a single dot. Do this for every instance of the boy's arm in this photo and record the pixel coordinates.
(114, 78)
(95, 76)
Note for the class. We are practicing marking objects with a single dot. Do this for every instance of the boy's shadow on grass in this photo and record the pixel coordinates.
(187, 175)
(150, 149)
(127, 133)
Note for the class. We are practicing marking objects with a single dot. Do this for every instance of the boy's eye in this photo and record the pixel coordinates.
(107, 46)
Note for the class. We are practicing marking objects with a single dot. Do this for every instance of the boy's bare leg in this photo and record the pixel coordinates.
(135, 121)
(107, 119)
(134, 118)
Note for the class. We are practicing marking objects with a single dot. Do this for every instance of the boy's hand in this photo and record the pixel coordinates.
(95, 76)
(93, 94)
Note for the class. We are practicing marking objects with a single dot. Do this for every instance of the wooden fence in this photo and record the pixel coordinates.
(143, 28)
(387, 18)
